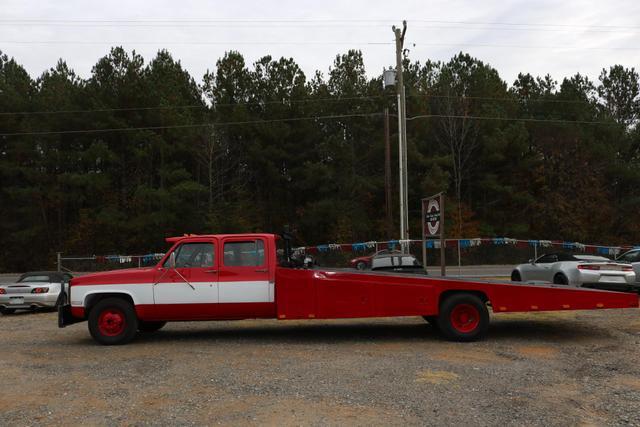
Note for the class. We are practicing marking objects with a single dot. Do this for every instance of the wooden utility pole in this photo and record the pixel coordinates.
(387, 176)
(402, 133)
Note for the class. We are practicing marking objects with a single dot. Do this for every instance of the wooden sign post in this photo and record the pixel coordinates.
(433, 227)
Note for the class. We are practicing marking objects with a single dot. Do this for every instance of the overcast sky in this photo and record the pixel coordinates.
(535, 36)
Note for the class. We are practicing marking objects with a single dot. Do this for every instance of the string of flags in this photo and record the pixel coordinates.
(465, 244)
(125, 259)
(398, 244)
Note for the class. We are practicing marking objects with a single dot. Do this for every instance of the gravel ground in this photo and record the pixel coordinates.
(568, 368)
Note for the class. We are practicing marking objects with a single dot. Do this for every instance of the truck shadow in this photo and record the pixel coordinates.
(552, 331)
(513, 330)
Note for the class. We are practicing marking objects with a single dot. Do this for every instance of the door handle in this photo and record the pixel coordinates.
(211, 271)
(262, 270)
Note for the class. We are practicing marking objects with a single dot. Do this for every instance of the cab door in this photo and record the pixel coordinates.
(190, 290)
(246, 283)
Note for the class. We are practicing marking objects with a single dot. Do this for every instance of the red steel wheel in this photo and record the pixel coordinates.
(463, 317)
(111, 322)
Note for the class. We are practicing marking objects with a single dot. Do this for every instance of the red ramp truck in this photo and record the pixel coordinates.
(240, 276)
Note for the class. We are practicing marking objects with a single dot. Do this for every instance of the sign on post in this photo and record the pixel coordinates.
(433, 226)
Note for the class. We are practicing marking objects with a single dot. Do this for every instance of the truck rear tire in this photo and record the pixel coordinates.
(150, 326)
(113, 321)
(463, 317)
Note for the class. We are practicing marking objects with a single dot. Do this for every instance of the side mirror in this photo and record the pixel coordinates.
(172, 261)
(531, 261)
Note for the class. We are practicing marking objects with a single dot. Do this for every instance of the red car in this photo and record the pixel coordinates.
(364, 262)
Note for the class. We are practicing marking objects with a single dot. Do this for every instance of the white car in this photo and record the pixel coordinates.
(588, 271)
(632, 257)
(37, 289)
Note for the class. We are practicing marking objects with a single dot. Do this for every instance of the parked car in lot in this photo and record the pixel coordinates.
(588, 271)
(36, 289)
(632, 257)
(364, 262)
(398, 262)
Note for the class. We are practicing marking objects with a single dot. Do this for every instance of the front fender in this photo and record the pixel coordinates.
(138, 293)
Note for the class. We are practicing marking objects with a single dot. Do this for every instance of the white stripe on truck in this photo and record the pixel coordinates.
(181, 293)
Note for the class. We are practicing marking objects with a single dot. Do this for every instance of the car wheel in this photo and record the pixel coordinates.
(113, 321)
(515, 276)
(361, 265)
(150, 326)
(7, 311)
(560, 279)
(463, 317)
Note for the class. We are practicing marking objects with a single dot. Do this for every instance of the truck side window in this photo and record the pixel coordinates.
(244, 254)
(198, 255)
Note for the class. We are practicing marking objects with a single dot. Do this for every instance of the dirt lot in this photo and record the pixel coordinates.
(535, 369)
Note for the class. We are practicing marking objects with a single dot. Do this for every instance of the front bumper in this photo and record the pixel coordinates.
(27, 301)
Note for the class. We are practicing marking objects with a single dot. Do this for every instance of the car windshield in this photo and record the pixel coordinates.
(40, 278)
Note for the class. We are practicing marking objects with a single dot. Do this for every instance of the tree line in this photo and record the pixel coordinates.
(139, 151)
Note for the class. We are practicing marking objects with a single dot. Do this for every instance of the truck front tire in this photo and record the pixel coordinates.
(463, 317)
(113, 321)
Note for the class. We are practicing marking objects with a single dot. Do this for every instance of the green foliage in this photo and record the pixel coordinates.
(509, 157)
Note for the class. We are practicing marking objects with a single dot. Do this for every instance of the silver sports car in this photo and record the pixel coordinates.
(33, 290)
(632, 257)
(588, 271)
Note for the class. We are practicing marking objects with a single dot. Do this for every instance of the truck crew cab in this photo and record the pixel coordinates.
(240, 276)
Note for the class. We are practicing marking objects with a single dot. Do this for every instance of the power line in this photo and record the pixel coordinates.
(296, 119)
(178, 107)
(290, 101)
(195, 125)
(491, 98)
(309, 43)
(511, 119)
(515, 46)
(523, 29)
(200, 43)
(432, 24)
(299, 21)
(197, 21)
(523, 24)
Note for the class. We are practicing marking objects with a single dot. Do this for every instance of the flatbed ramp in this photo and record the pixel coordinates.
(340, 293)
